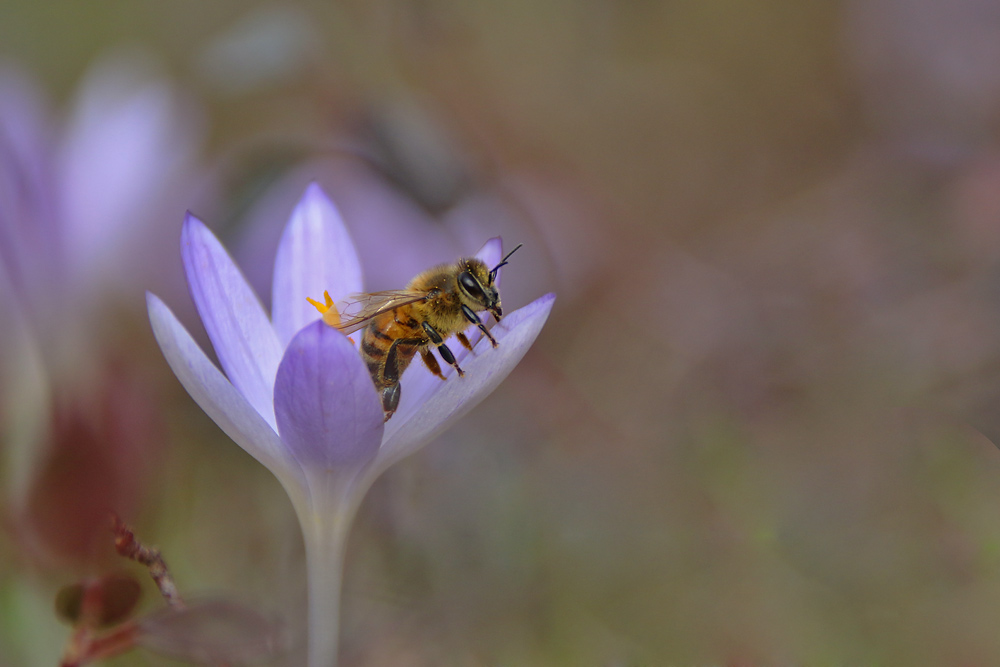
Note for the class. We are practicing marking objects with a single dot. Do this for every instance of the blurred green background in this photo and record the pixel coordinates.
(755, 430)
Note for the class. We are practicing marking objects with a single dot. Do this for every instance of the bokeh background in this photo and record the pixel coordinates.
(757, 430)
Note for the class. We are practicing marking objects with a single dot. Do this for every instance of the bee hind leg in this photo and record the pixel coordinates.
(388, 380)
(431, 362)
(390, 399)
(394, 364)
(443, 349)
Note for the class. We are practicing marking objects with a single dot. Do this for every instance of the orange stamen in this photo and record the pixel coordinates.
(331, 316)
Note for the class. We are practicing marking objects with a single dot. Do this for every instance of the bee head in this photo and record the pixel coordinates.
(476, 284)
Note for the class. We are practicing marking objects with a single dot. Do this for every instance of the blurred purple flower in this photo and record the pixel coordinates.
(81, 204)
(296, 394)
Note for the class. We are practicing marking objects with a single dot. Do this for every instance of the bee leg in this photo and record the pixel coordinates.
(443, 349)
(446, 354)
(464, 341)
(390, 372)
(472, 317)
(431, 362)
(390, 369)
(390, 399)
(389, 380)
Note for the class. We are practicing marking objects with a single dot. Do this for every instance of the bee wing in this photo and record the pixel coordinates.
(359, 309)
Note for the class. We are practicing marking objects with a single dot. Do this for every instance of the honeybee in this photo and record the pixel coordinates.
(441, 302)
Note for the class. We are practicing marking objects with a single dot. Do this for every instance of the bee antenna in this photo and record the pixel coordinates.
(493, 271)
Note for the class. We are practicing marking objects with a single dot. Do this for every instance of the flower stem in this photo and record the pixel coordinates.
(325, 535)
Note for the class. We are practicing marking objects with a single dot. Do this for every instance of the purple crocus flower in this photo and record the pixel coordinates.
(296, 394)
(82, 198)
(81, 203)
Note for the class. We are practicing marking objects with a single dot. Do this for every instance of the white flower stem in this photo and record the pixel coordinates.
(325, 528)
(325, 541)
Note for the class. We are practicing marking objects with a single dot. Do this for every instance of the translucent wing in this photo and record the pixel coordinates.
(358, 309)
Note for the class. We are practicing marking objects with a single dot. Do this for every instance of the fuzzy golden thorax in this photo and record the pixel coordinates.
(467, 282)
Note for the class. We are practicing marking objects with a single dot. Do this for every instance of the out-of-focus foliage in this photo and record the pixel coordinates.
(757, 428)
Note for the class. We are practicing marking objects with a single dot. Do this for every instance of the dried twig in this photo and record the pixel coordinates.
(128, 546)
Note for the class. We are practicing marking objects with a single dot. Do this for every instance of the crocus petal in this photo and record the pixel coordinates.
(315, 254)
(216, 395)
(419, 421)
(30, 244)
(237, 325)
(491, 253)
(328, 412)
(127, 139)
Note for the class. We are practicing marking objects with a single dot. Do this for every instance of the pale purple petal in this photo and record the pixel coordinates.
(491, 253)
(127, 139)
(328, 412)
(30, 244)
(417, 422)
(237, 325)
(216, 396)
(315, 254)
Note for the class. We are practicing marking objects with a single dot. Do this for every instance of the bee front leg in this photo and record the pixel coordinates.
(472, 317)
(443, 349)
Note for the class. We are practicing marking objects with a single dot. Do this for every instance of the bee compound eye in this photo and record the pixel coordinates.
(471, 285)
